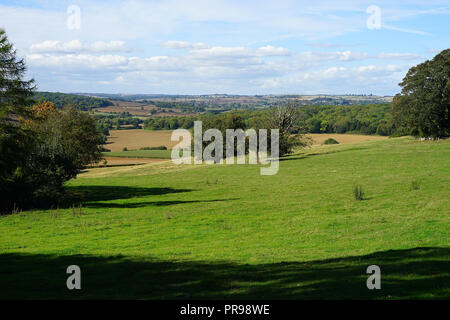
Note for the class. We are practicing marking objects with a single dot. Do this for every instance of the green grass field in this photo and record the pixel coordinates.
(154, 154)
(209, 232)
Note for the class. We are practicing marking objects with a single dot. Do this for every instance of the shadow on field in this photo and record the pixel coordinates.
(106, 193)
(146, 204)
(309, 155)
(414, 273)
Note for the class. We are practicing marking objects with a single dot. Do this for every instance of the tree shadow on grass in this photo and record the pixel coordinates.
(107, 193)
(300, 156)
(414, 273)
(147, 203)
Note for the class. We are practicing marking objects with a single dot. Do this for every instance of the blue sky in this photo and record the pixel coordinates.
(234, 47)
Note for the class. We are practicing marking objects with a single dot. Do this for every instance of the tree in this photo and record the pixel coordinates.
(14, 99)
(285, 118)
(65, 141)
(422, 107)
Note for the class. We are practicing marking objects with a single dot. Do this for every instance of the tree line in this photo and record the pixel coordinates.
(364, 119)
(61, 100)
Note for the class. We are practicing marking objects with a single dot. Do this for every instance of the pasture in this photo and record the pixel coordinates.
(160, 231)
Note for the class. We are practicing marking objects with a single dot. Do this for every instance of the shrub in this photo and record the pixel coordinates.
(125, 149)
(415, 185)
(358, 193)
(154, 148)
(330, 141)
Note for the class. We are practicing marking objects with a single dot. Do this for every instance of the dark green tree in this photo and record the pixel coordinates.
(14, 99)
(65, 141)
(422, 107)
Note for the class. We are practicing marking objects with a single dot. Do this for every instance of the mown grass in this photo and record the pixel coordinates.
(227, 232)
(154, 154)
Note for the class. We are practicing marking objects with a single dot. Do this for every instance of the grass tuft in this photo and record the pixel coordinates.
(358, 193)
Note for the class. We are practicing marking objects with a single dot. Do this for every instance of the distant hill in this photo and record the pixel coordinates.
(229, 102)
(80, 101)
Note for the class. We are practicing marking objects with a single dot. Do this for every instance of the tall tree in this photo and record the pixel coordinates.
(286, 118)
(422, 107)
(14, 96)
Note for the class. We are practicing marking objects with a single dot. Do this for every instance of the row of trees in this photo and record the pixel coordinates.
(283, 117)
(41, 146)
(365, 119)
(111, 121)
(61, 100)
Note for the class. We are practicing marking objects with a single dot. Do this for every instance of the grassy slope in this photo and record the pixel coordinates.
(226, 231)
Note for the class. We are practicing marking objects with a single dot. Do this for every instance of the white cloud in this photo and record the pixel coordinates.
(399, 56)
(273, 51)
(75, 46)
(172, 44)
(333, 56)
(71, 61)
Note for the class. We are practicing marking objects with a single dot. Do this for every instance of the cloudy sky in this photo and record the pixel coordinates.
(234, 47)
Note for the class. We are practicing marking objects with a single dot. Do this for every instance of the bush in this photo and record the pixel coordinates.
(65, 141)
(125, 149)
(358, 193)
(154, 148)
(62, 143)
(330, 141)
(415, 185)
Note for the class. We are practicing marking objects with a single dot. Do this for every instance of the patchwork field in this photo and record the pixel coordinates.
(160, 231)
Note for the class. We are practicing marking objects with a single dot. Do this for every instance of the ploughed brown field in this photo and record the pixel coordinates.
(135, 139)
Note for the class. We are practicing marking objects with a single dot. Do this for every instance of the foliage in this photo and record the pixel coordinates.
(422, 107)
(123, 120)
(285, 117)
(358, 193)
(223, 122)
(415, 185)
(330, 141)
(154, 148)
(14, 102)
(81, 102)
(64, 142)
(365, 119)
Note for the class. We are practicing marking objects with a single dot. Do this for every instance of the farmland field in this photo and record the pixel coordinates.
(343, 138)
(135, 139)
(220, 231)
